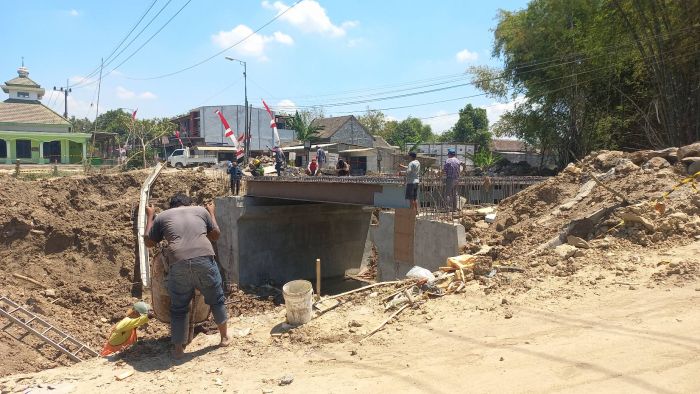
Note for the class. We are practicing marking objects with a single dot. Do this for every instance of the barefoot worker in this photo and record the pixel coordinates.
(189, 231)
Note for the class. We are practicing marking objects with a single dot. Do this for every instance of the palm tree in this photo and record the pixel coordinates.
(305, 130)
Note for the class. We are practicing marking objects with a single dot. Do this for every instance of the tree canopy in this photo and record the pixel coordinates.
(305, 129)
(471, 127)
(598, 74)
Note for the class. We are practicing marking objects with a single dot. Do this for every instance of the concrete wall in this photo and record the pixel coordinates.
(212, 130)
(434, 242)
(275, 241)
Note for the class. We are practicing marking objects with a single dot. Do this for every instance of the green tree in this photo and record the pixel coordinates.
(374, 121)
(408, 133)
(114, 121)
(471, 127)
(302, 123)
(81, 125)
(145, 132)
(597, 74)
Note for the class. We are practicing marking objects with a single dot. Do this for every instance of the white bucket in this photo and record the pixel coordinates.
(298, 297)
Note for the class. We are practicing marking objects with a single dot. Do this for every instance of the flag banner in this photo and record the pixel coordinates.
(177, 135)
(230, 134)
(273, 124)
(133, 115)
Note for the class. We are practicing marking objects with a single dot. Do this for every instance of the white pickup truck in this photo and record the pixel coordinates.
(181, 158)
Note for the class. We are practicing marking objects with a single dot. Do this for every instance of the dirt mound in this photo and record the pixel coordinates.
(75, 236)
(572, 221)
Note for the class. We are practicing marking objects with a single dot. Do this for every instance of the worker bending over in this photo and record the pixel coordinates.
(189, 231)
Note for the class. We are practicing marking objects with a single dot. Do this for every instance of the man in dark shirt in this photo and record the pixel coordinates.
(189, 231)
(236, 175)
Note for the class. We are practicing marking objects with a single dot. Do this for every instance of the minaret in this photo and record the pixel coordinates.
(22, 87)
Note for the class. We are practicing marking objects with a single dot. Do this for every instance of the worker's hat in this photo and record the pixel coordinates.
(256, 162)
(451, 151)
(142, 308)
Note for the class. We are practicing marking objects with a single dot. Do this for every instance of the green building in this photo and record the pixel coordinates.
(33, 133)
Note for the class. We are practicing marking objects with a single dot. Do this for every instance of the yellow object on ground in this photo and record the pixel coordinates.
(122, 331)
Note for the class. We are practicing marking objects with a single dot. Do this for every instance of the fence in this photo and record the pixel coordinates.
(439, 203)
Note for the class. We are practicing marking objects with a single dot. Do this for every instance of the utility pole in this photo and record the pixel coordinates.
(65, 91)
(246, 140)
(99, 87)
(246, 127)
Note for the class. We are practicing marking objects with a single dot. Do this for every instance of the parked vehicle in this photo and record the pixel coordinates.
(181, 158)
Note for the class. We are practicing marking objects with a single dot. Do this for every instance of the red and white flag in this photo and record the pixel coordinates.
(177, 135)
(230, 134)
(133, 115)
(273, 124)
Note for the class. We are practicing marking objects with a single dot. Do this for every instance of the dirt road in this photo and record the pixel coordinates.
(612, 340)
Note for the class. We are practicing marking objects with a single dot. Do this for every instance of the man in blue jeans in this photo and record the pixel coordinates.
(189, 231)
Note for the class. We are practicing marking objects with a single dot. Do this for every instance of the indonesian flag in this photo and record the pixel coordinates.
(230, 134)
(273, 124)
(133, 115)
(177, 135)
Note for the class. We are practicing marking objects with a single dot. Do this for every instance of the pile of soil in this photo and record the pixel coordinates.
(74, 235)
(571, 221)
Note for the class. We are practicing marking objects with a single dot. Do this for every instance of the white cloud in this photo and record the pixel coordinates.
(441, 121)
(148, 95)
(390, 118)
(126, 94)
(73, 12)
(309, 17)
(349, 24)
(494, 111)
(76, 107)
(465, 55)
(287, 106)
(253, 46)
(283, 38)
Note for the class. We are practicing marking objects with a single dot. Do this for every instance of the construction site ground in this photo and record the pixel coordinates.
(617, 312)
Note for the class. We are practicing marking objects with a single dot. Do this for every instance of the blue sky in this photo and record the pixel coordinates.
(318, 53)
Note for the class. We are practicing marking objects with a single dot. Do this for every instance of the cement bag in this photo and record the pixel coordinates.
(161, 299)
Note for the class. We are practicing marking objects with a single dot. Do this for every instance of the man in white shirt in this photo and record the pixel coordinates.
(412, 180)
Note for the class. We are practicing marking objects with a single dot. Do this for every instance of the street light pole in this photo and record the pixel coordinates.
(246, 127)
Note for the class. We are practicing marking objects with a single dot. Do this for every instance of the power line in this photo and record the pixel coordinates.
(484, 94)
(220, 52)
(143, 15)
(455, 77)
(147, 41)
(445, 88)
(81, 84)
(236, 82)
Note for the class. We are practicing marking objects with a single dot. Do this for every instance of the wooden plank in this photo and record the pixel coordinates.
(141, 226)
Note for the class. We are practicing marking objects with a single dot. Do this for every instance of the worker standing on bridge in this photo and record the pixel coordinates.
(189, 231)
(412, 180)
(321, 157)
(451, 169)
(236, 175)
(279, 159)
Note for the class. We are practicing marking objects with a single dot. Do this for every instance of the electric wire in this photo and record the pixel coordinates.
(220, 52)
(143, 15)
(145, 42)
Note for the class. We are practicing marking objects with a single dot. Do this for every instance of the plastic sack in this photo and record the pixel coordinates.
(420, 273)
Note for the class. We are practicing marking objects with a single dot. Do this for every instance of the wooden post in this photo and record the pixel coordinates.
(318, 277)
(17, 168)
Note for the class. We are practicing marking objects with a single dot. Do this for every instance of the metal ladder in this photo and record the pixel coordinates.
(12, 311)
